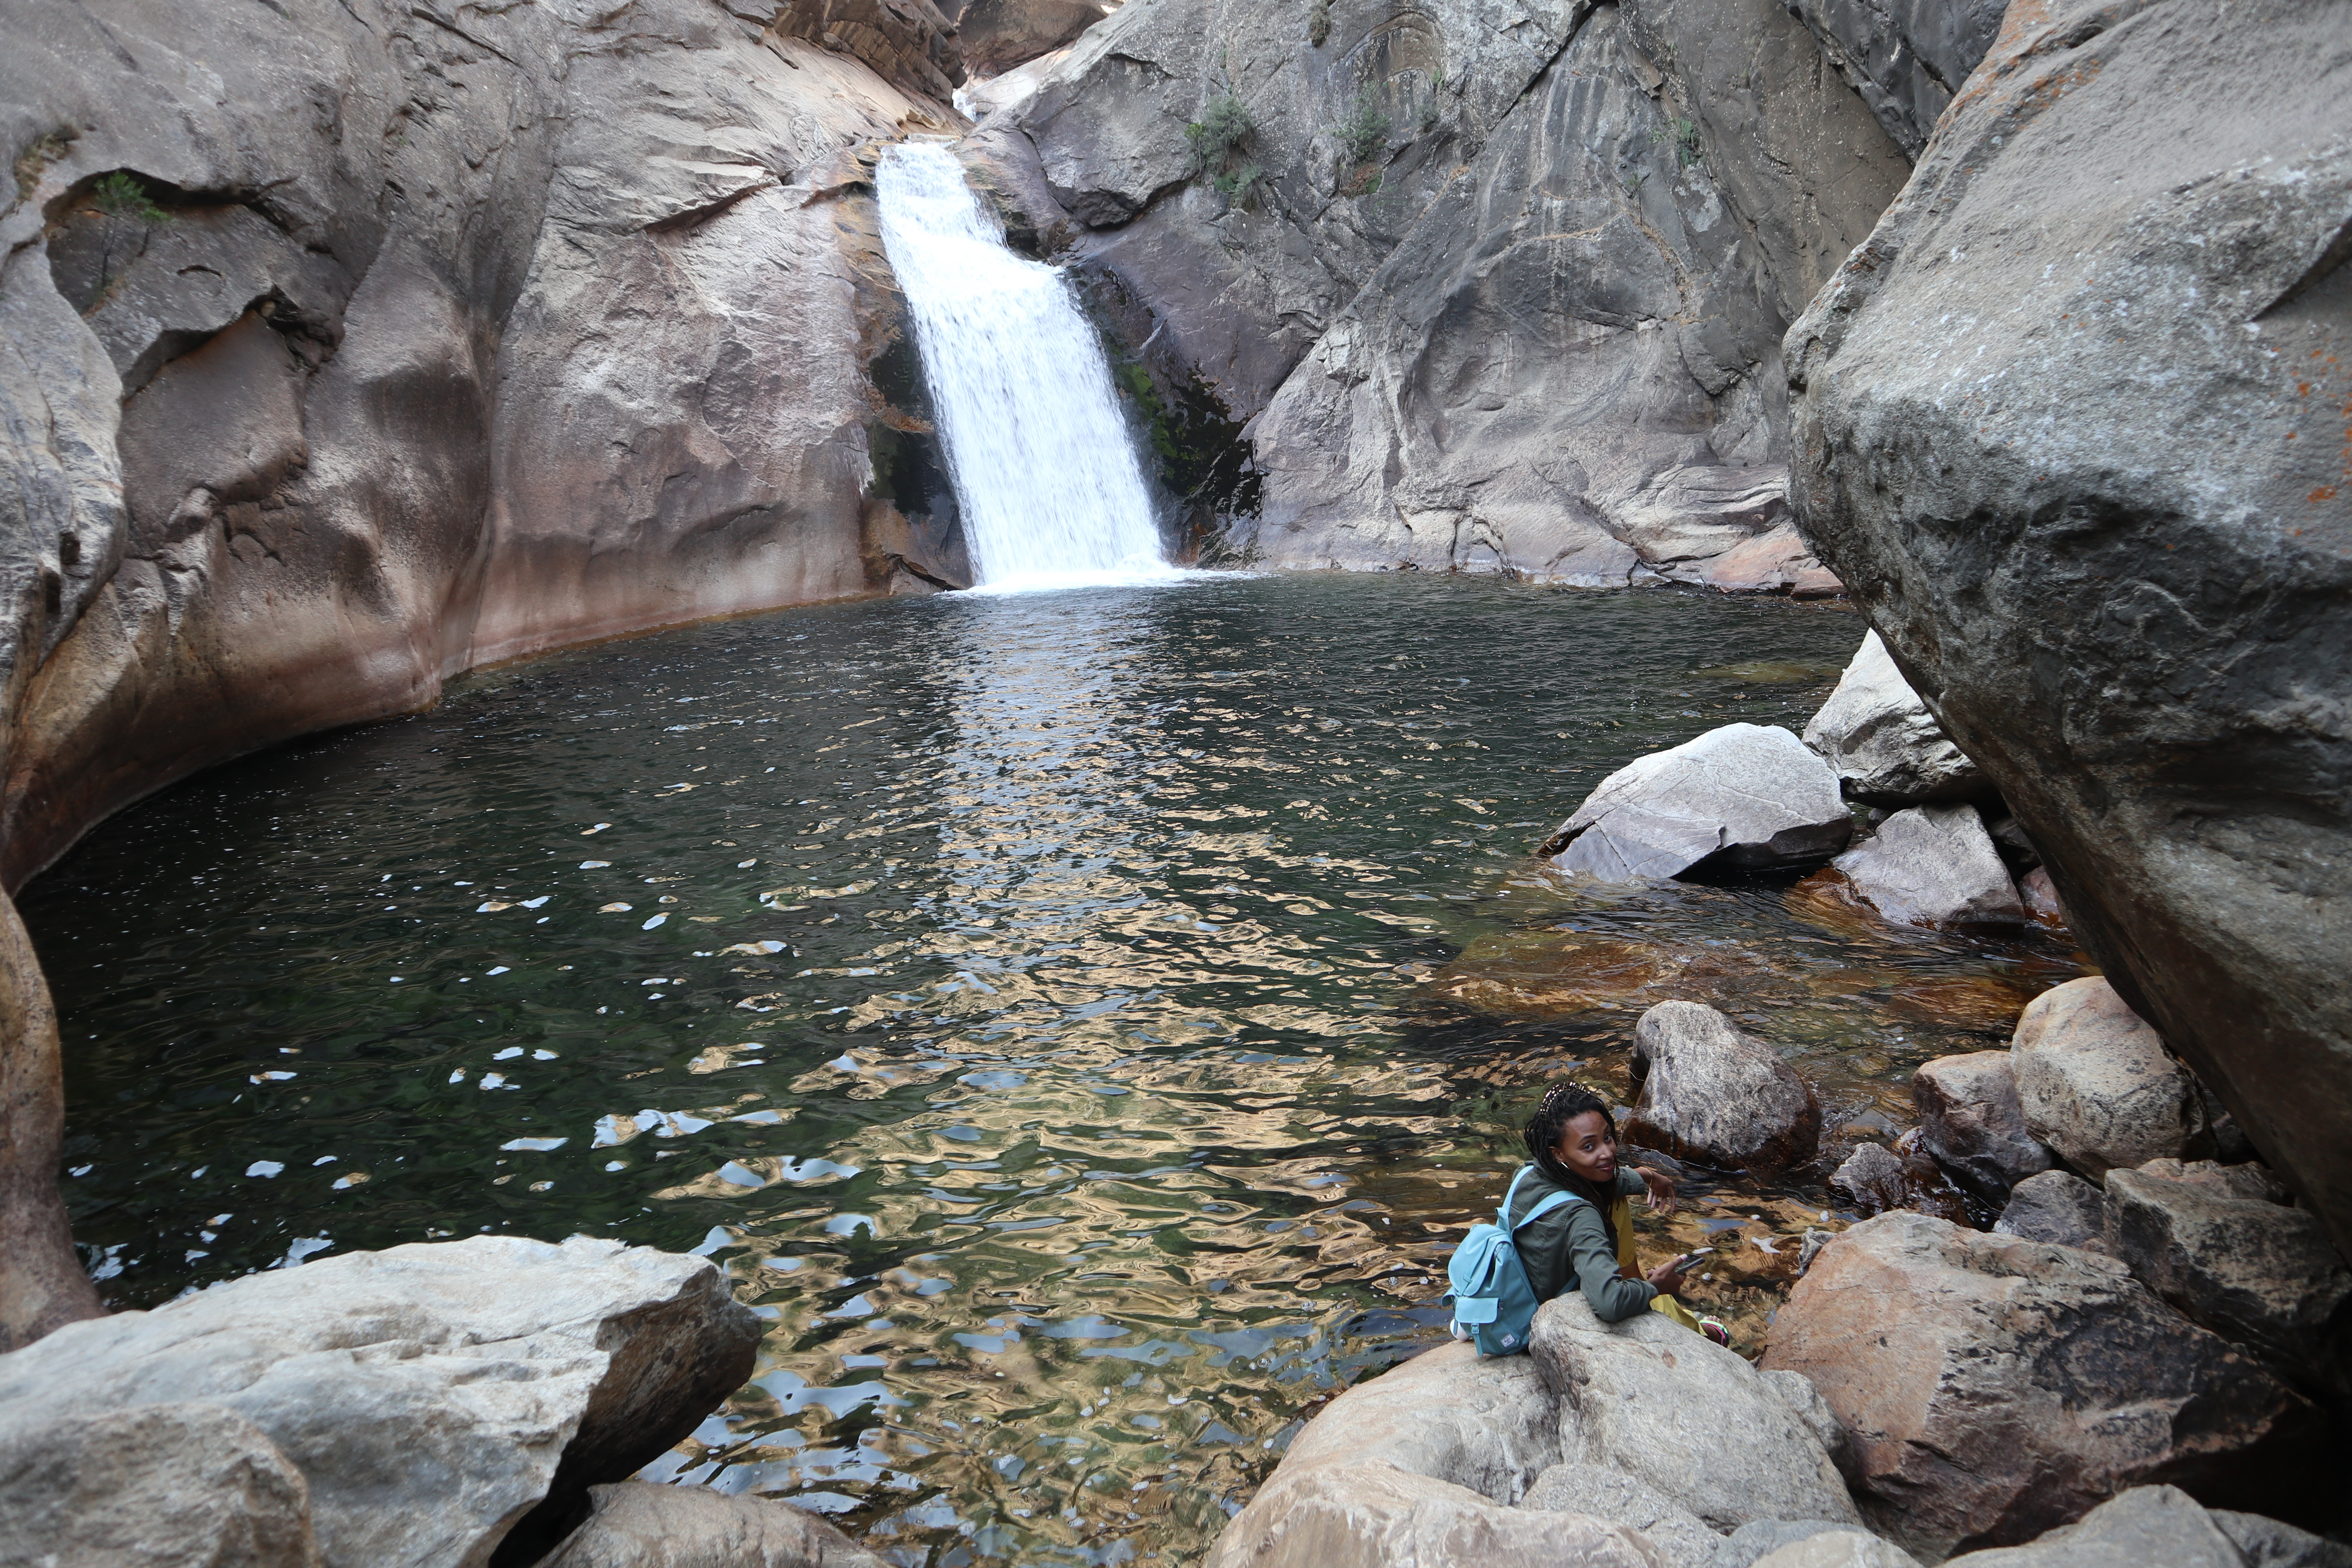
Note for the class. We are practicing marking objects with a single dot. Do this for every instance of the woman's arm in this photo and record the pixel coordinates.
(1593, 1267)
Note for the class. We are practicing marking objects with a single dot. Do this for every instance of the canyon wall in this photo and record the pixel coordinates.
(2075, 425)
(350, 346)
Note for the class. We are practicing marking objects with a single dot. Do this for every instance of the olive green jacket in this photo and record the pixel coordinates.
(1569, 1246)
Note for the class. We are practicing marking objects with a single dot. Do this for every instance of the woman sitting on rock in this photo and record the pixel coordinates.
(1572, 1140)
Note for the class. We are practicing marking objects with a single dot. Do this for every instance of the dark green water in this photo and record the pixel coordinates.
(1026, 998)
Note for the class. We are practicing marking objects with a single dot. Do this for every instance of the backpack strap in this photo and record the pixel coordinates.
(1544, 1205)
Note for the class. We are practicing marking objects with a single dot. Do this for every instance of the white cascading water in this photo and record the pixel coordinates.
(1044, 471)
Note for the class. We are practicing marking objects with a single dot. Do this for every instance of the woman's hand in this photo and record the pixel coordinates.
(1668, 1278)
(1661, 1190)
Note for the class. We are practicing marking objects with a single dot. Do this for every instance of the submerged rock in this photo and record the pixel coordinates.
(1933, 865)
(2058, 1207)
(1886, 747)
(635, 1524)
(2097, 1084)
(1996, 1387)
(1710, 1093)
(163, 1486)
(2215, 1242)
(1972, 1124)
(430, 1396)
(1744, 796)
(1692, 1422)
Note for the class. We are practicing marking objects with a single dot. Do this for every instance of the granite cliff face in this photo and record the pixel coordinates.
(1499, 288)
(2072, 424)
(348, 347)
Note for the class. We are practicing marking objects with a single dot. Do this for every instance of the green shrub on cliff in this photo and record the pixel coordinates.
(120, 196)
(1219, 133)
(1318, 21)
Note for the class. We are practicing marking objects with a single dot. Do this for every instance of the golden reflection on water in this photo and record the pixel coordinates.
(1080, 1022)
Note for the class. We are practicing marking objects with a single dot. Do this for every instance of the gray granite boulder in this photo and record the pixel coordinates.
(1603, 1492)
(2215, 1242)
(1839, 1549)
(430, 1396)
(638, 1525)
(1485, 1423)
(1996, 1388)
(1972, 1125)
(2095, 1083)
(1745, 794)
(1886, 748)
(2132, 608)
(2058, 1207)
(2139, 1529)
(1933, 865)
(1691, 1420)
(1706, 1091)
(2273, 1543)
(161, 1486)
(1340, 1515)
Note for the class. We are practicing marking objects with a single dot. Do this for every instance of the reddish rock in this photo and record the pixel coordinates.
(1995, 1388)
(2039, 896)
(1772, 563)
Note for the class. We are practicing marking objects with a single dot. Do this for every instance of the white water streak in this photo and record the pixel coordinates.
(1045, 468)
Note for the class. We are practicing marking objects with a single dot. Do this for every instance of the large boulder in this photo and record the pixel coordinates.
(2132, 607)
(1377, 1516)
(1482, 1422)
(1708, 1092)
(430, 1396)
(2143, 1527)
(1692, 1422)
(2214, 1242)
(1972, 1125)
(638, 1525)
(1839, 1549)
(2058, 1207)
(1886, 748)
(1933, 865)
(1996, 1387)
(1744, 796)
(163, 1486)
(1602, 1492)
(2273, 1543)
(2095, 1083)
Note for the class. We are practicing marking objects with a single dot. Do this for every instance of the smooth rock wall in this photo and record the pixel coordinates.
(2071, 425)
(441, 336)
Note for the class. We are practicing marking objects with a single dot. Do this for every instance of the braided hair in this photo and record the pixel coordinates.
(1563, 1102)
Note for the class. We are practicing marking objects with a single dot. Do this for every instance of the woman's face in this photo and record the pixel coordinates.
(1587, 1147)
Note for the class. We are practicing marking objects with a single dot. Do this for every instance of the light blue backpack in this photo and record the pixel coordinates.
(1493, 1302)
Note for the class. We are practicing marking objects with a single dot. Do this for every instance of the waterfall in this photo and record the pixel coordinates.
(1044, 471)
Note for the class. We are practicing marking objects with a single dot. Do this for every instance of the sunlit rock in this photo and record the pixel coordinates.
(1744, 795)
(1711, 1094)
(2097, 1084)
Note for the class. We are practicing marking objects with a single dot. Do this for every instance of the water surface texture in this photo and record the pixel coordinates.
(1079, 1021)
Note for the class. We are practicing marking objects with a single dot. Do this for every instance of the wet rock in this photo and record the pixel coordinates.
(638, 1525)
(1484, 1423)
(2143, 1527)
(1707, 1092)
(1933, 865)
(1971, 1123)
(1604, 1493)
(1886, 748)
(1871, 1179)
(1375, 1516)
(1995, 1387)
(2095, 1083)
(2039, 896)
(994, 36)
(1839, 1549)
(1763, 1539)
(2058, 1207)
(2271, 1543)
(2215, 1242)
(432, 1394)
(1688, 1420)
(165, 1486)
(1745, 794)
(2184, 574)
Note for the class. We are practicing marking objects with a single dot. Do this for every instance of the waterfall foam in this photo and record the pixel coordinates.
(1045, 469)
